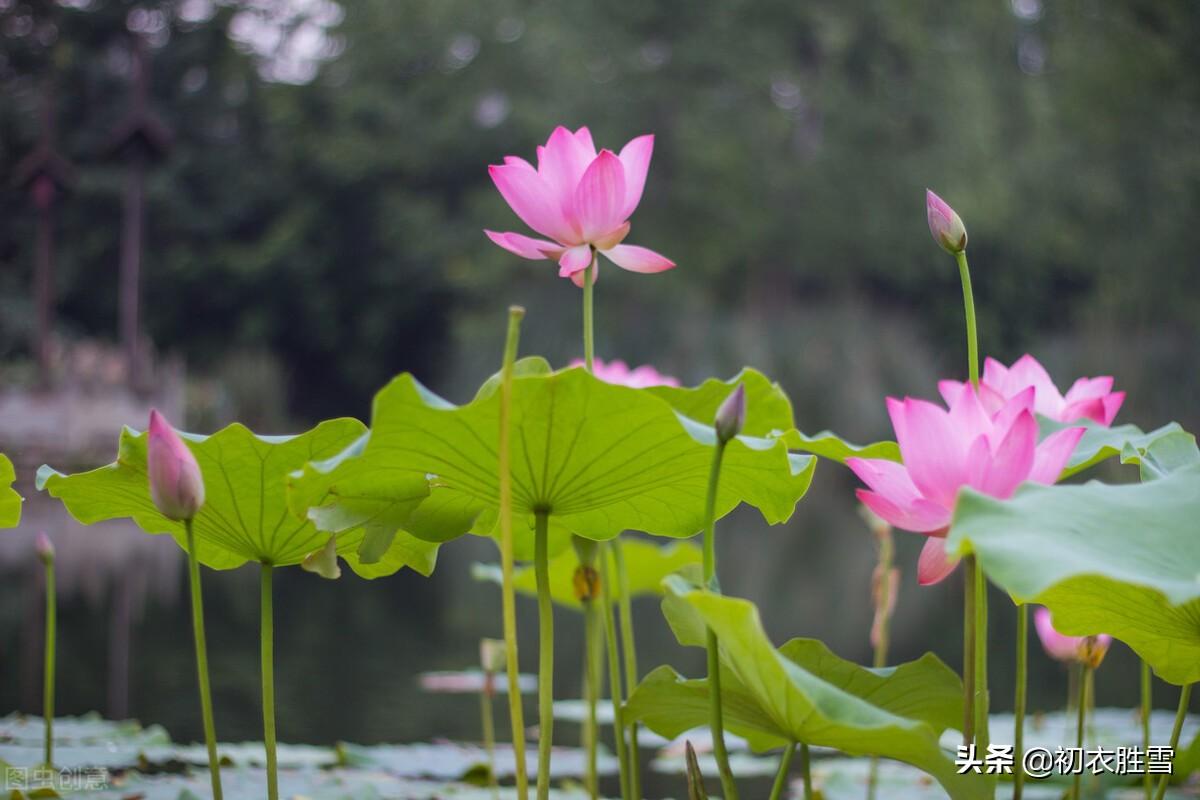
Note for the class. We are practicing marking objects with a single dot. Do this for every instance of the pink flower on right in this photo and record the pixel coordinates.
(1083, 649)
(1088, 398)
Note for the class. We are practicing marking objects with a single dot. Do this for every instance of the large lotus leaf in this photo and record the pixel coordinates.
(768, 409)
(828, 444)
(803, 693)
(1168, 453)
(646, 564)
(1123, 560)
(598, 458)
(10, 501)
(1100, 443)
(245, 516)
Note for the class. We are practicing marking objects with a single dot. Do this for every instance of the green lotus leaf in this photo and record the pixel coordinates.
(245, 515)
(1166, 454)
(1100, 443)
(1123, 560)
(646, 564)
(10, 501)
(768, 409)
(828, 444)
(802, 692)
(597, 458)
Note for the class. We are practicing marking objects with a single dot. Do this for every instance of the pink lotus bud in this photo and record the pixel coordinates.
(945, 225)
(44, 548)
(731, 416)
(1089, 650)
(176, 485)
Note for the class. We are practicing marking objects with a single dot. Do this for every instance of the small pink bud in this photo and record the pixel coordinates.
(176, 485)
(44, 548)
(731, 416)
(945, 225)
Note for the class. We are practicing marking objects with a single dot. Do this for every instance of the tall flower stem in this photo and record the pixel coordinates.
(1081, 719)
(716, 720)
(779, 788)
(969, 650)
(629, 650)
(614, 671)
(48, 663)
(964, 274)
(488, 724)
(1147, 707)
(206, 712)
(1185, 697)
(591, 735)
(1019, 700)
(516, 712)
(541, 567)
(806, 771)
(268, 680)
(982, 700)
(589, 343)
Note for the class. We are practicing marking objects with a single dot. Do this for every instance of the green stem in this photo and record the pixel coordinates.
(779, 788)
(516, 712)
(1185, 697)
(969, 650)
(589, 344)
(1019, 701)
(541, 566)
(268, 681)
(1147, 707)
(206, 712)
(982, 699)
(489, 732)
(48, 663)
(964, 274)
(632, 676)
(710, 519)
(1076, 784)
(591, 736)
(614, 672)
(886, 552)
(806, 771)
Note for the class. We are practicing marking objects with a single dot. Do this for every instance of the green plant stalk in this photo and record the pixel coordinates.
(206, 712)
(1147, 707)
(614, 672)
(982, 738)
(516, 712)
(779, 788)
(591, 728)
(886, 554)
(629, 650)
(1019, 700)
(1185, 697)
(589, 342)
(969, 650)
(268, 681)
(541, 566)
(806, 771)
(489, 732)
(48, 663)
(964, 274)
(716, 719)
(1077, 782)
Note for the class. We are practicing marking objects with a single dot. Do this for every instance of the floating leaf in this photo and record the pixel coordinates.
(10, 501)
(1100, 443)
(598, 458)
(1123, 560)
(646, 564)
(802, 692)
(245, 516)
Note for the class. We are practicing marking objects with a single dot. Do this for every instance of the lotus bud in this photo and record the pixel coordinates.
(695, 778)
(492, 655)
(324, 562)
(731, 416)
(44, 548)
(176, 485)
(945, 225)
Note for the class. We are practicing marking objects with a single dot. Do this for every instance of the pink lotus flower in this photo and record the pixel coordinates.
(945, 450)
(945, 225)
(1088, 650)
(176, 485)
(1088, 398)
(580, 200)
(618, 372)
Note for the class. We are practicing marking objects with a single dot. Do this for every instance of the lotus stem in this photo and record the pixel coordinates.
(541, 566)
(883, 595)
(516, 712)
(49, 663)
(1019, 700)
(589, 343)
(629, 650)
(591, 736)
(1147, 707)
(982, 738)
(614, 672)
(1081, 719)
(806, 771)
(206, 712)
(779, 788)
(268, 681)
(969, 650)
(964, 273)
(1185, 697)
(489, 731)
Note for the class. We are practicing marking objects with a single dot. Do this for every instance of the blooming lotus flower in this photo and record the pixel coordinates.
(945, 450)
(1088, 398)
(1088, 650)
(944, 224)
(580, 200)
(176, 485)
(618, 372)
